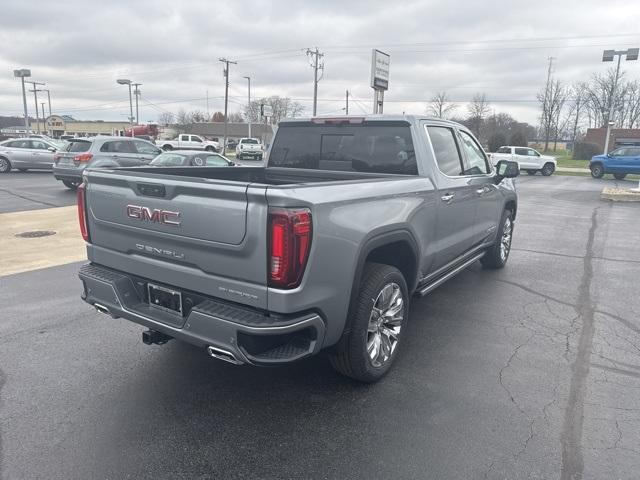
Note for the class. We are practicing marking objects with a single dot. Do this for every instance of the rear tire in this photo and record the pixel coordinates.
(5, 165)
(498, 254)
(548, 169)
(619, 176)
(597, 170)
(210, 149)
(71, 185)
(381, 309)
(167, 148)
(531, 172)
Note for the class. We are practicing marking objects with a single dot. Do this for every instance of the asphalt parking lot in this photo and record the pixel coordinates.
(528, 372)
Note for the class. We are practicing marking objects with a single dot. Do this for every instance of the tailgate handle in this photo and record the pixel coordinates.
(151, 189)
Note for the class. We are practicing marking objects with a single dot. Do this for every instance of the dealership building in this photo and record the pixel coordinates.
(56, 125)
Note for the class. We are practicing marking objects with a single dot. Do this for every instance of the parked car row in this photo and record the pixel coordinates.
(68, 159)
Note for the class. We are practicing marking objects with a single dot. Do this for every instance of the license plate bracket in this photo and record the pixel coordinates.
(165, 299)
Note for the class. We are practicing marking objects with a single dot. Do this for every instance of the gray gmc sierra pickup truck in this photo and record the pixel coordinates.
(322, 249)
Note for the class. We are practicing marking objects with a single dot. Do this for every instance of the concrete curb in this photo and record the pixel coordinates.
(620, 194)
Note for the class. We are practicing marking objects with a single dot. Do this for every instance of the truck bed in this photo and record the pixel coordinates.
(258, 175)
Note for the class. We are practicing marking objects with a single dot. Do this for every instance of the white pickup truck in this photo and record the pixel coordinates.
(249, 148)
(529, 160)
(189, 142)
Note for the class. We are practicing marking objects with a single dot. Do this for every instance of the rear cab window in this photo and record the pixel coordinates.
(371, 147)
(504, 150)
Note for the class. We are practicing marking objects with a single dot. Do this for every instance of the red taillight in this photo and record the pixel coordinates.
(82, 213)
(56, 158)
(289, 245)
(83, 157)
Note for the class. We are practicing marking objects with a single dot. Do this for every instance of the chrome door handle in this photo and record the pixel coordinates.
(447, 198)
(482, 191)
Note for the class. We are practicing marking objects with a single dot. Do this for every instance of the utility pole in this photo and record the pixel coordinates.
(35, 95)
(43, 124)
(48, 98)
(22, 73)
(137, 93)
(249, 105)
(546, 121)
(317, 64)
(346, 107)
(208, 106)
(226, 100)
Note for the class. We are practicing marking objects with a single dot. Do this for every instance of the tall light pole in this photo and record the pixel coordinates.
(22, 74)
(608, 56)
(249, 105)
(137, 94)
(126, 81)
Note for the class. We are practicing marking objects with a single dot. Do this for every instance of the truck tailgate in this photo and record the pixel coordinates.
(198, 234)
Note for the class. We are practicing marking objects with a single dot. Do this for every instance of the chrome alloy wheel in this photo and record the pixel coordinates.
(505, 241)
(385, 323)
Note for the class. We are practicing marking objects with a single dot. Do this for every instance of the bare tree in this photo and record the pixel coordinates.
(166, 118)
(552, 99)
(217, 117)
(236, 117)
(182, 117)
(478, 109)
(282, 107)
(440, 105)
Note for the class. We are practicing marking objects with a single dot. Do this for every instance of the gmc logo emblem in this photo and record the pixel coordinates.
(156, 215)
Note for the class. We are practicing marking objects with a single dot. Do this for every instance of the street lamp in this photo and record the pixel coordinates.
(608, 56)
(48, 98)
(249, 105)
(126, 81)
(22, 74)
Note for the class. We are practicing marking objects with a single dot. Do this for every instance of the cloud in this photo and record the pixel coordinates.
(500, 48)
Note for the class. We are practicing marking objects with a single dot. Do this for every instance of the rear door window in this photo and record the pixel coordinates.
(79, 146)
(118, 146)
(522, 151)
(146, 148)
(445, 149)
(374, 147)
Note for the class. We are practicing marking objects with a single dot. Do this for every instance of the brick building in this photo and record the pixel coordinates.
(618, 137)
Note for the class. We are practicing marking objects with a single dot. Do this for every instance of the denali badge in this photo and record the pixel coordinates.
(159, 251)
(156, 215)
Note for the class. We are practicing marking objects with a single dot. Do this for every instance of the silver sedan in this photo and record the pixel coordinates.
(26, 153)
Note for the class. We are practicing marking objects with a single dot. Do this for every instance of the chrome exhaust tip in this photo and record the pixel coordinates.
(224, 355)
(101, 308)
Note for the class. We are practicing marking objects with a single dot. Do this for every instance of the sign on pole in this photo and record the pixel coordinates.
(379, 70)
(379, 78)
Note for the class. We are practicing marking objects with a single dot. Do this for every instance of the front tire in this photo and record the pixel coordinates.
(619, 176)
(497, 256)
(167, 148)
(548, 169)
(381, 310)
(5, 165)
(70, 184)
(597, 170)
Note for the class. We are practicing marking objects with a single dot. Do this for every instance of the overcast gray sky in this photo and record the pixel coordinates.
(80, 48)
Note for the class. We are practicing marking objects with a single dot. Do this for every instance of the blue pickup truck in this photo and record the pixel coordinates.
(620, 162)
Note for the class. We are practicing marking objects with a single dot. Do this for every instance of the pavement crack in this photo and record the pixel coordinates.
(29, 199)
(571, 436)
(507, 365)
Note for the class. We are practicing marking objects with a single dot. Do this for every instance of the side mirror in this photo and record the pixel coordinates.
(507, 169)
(52, 149)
